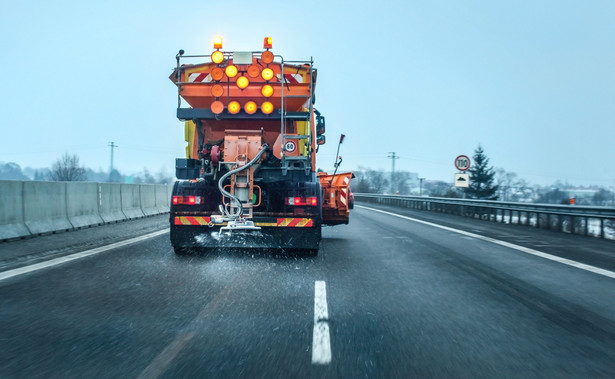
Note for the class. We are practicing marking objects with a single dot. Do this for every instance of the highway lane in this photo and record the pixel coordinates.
(404, 299)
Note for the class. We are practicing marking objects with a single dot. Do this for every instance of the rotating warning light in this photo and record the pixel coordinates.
(242, 82)
(217, 42)
(231, 71)
(217, 57)
(267, 107)
(267, 43)
(267, 90)
(267, 74)
(234, 107)
(250, 107)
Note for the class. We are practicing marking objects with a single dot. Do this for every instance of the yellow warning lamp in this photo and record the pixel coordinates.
(267, 107)
(250, 107)
(267, 74)
(267, 57)
(217, 90)
(234, 107)
(267, 43)
(217, 42)
(267, 90)
(217, 73)
(242, 82)
(217, 57)
(217, 107)
(231, 71)
(253, 71)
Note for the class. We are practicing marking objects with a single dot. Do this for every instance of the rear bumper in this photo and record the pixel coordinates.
(275, 233)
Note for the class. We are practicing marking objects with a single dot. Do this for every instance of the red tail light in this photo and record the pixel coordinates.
(302, 201)
(187, 200)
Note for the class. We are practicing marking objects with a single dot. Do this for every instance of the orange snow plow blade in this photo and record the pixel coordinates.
(335, 192)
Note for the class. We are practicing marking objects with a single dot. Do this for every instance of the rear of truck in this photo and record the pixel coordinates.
(249, 177)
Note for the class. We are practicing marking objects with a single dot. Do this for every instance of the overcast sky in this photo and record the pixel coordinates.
(533, 82)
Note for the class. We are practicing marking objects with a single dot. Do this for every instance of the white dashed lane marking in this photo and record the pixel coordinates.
(321, 341)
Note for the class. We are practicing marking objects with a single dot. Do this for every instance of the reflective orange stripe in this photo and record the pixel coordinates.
(343, 195)
(188, 220)
(295, 222)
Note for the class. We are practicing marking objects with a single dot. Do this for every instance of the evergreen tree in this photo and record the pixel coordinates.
(481, 178)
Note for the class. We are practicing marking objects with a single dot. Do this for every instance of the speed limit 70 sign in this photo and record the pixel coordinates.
(462, 163)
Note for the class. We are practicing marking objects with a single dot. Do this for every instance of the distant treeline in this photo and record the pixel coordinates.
(12, 171)
(510, 188)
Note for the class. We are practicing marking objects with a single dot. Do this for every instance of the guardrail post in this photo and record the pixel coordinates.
(601, 228)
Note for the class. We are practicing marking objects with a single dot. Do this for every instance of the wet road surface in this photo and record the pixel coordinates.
(385, 297)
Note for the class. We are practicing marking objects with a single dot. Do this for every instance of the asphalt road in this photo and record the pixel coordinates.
(386, 297)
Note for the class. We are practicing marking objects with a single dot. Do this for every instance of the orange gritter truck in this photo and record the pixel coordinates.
(249, 177)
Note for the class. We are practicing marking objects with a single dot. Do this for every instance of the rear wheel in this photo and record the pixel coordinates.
(180, 250)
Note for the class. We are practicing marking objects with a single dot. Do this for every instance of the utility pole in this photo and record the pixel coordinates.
(113, 146)
(393, 157)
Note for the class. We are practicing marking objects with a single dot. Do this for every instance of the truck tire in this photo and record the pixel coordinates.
(180, 250)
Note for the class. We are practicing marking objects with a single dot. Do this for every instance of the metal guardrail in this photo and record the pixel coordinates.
(574, 219)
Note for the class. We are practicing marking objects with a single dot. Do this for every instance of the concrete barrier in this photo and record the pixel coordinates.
(163, 200)
(32, 207)
(148, 199)
(45, 207)
(110, 202)
(131, 201)
(11, 210)
(82, 204)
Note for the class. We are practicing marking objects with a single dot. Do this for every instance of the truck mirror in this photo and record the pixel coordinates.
(320, 125)
(320, 140)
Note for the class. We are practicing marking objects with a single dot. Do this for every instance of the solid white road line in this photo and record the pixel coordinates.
(58, 261)
(569, 262)
(321, 342)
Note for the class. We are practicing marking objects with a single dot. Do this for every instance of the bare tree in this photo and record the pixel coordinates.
(506, 182)
(66, 169)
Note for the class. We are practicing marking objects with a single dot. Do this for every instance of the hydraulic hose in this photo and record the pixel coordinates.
(233, 172)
